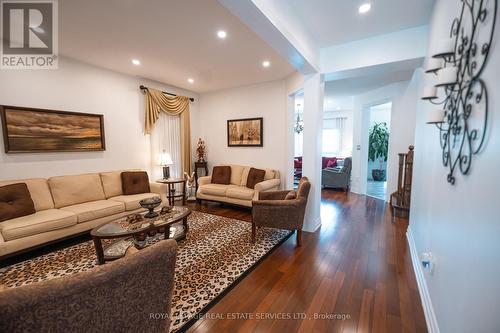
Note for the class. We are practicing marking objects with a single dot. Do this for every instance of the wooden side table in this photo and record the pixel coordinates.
(199, 165)
(171, 191)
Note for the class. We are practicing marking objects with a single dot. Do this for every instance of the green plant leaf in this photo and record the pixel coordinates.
(378, 142)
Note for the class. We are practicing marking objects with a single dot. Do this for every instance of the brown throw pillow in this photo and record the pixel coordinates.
(15, 201)
(255, 176)
(221, 175)
(135, 182)
(292, 195)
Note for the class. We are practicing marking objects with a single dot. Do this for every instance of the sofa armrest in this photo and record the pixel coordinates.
(267, 185)
(204, 180)
(160, 189)
(273, 195)
(275, 203)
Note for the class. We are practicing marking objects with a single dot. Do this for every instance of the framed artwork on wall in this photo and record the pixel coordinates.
(245, 132)
(29, 130)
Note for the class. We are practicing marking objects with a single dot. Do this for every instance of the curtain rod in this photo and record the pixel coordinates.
(166, 93)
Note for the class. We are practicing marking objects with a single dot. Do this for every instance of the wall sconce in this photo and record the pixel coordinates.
(447, 76)
(429, 93)
(458, 62)
(445, 48)
(435, 116)
(433, 65)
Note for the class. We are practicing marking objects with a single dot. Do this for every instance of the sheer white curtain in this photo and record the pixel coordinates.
(166, 135)
(333, 134)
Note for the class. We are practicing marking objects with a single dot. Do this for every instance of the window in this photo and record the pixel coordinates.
(331, 142)
(299, 144)
(333, 136)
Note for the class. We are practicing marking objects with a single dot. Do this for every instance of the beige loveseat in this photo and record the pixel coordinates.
(236, 192)
(69, 205)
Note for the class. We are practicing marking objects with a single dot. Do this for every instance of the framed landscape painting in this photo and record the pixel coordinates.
(28, 130)
(245, 132)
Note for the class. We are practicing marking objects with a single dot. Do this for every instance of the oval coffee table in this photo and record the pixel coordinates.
(137, 232)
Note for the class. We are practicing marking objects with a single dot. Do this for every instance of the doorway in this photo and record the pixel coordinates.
(298, 134)
(378, 149)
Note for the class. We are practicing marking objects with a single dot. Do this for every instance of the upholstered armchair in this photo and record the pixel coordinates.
(338, 177)
(281, 209)
(132, 294)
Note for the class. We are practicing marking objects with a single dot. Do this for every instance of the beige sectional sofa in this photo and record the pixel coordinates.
(70, 205)
(236, 192)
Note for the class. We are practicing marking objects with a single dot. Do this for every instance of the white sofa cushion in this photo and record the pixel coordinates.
(76, 189)
(244, 176)
(39, 191)
(95, 209)
(215, 189)
(236, 173)
(270, 174)
(240, 192)
(112, 183)
(131, 202)
(41, 221)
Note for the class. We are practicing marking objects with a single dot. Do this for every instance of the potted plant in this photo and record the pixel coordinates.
(378, 146)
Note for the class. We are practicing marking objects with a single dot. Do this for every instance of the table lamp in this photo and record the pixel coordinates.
(165, 160)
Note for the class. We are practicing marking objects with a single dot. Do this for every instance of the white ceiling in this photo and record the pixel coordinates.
(174, 40)
(338, 93)
(360, 85)
(338, 21)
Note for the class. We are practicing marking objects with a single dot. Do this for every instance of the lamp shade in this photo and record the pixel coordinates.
(165, 159)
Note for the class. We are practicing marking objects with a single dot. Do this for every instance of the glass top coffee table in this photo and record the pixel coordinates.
(172, 225)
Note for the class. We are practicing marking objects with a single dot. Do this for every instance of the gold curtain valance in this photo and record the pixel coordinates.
(156, 102)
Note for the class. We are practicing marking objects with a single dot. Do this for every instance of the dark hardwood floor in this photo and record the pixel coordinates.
(356, 270)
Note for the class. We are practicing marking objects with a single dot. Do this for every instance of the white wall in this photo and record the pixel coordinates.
(267, 100)
(403, 96)
(82, 88)
(460, 224)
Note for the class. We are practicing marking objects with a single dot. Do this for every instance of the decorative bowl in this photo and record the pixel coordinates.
(150, 204)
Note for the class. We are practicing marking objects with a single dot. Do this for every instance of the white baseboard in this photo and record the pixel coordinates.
(430, 316)
(316, 225)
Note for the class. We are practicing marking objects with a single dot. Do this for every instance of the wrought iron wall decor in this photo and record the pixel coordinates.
(458, 65)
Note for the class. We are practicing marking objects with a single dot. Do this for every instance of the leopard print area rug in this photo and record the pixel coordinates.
(216, 252)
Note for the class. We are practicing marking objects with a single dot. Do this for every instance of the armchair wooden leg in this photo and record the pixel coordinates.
(299, 237)
(254, 231)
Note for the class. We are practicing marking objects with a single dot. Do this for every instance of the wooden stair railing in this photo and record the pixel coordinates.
(400, 200)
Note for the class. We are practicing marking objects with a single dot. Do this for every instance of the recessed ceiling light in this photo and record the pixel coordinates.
(191, 80)
(266, 63)
(221, 34)
(136, 62)
(365, 8)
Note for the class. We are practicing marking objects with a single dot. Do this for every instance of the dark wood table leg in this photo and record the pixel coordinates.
(167, 232)
(184, 193)
(99, 250)
(185, 224)
(170, 198)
